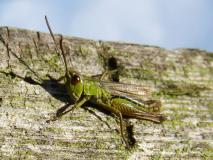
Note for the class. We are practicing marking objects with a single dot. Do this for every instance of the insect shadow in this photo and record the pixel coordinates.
(58, 91)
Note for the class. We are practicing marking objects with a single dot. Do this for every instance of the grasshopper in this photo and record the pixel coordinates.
(119, 98)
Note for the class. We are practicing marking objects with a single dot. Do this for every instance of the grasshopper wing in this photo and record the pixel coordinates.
(132, 89)
(135, 93)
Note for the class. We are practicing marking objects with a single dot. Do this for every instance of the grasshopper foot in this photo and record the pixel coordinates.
(52, 119)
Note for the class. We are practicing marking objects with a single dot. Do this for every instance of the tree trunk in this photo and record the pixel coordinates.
(181, 79)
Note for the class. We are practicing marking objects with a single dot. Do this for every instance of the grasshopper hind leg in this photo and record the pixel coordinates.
(131, 110)
(119, 115)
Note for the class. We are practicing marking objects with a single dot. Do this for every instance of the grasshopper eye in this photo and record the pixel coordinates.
(75, 79)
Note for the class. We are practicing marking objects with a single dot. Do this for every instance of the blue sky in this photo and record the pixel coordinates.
(167, 23)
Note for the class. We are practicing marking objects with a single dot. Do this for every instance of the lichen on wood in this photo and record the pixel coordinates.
(182, 79)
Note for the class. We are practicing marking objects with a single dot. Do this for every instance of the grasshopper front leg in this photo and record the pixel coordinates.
(77, 105)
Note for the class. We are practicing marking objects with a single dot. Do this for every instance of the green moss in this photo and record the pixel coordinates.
(204, 124)
(82, 50)
(177, 123)
(148, 74)
(112, 51)
(205, 149)
(53, 60)
(209, 57)
(210, 106)
(139, 73)
(25, 154)
(207, 154)
(204, 71)
(8, 78)
(50, 62)
(27, 51)
(173, 89)
(157, 157)
(54, 130)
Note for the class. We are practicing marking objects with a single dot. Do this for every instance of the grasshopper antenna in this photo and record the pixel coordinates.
(51, 33)
(62, 51)
(61, 43)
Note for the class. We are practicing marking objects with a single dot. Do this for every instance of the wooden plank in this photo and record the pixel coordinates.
(182, 79)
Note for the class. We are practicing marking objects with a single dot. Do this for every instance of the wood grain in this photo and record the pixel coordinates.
(182, 79)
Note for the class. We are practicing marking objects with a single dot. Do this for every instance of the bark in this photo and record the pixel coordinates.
(182, 79)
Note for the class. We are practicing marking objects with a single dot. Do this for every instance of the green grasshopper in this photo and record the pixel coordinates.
(119, 98)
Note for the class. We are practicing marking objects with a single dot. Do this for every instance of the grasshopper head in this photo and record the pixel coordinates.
(74, 84)
(73, 81)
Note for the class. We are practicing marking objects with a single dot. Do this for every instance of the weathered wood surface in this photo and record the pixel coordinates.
(182, 79)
